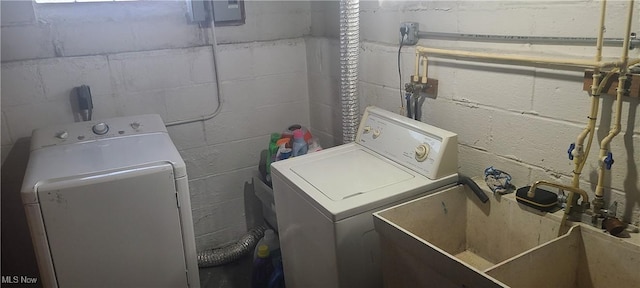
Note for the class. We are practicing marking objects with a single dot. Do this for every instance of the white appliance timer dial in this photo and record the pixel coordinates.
(62, 135)
(100, 128)
(376, 133)
(422, 151)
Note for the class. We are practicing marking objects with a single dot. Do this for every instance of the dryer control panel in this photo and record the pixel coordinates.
(428, 150)
(96, 130)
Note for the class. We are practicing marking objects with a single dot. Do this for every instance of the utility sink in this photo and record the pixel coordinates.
(451, 239)
(581, 258)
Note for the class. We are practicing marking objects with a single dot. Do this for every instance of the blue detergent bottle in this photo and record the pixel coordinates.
(262, 268)
(299, 144)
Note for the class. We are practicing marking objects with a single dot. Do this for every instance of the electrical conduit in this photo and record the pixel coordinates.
(349, 50)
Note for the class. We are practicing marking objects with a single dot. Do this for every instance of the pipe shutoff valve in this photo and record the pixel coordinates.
(570, 151)
(608, 161)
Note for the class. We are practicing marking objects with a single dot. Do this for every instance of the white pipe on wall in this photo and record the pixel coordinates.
(580, 155)
(615, 129)
(518, 58)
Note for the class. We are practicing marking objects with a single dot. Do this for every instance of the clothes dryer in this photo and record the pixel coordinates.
(108, 205)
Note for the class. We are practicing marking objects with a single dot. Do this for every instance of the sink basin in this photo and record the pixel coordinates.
(457, 237)
(582, 258)
(451, 239)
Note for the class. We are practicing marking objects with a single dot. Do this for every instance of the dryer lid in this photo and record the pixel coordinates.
(344, 175)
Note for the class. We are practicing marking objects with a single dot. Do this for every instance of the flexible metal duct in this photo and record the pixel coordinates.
(349, 49)
(224, 255)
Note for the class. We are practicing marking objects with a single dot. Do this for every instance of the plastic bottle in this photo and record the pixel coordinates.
(262, 268)
(283, 153)
(299, 146)
(277, 277)
(271, 153)
(271, 240)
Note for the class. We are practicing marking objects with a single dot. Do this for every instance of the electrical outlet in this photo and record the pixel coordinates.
(411, 38)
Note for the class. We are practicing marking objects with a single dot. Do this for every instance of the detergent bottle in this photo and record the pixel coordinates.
(262, 268)
(299, 145)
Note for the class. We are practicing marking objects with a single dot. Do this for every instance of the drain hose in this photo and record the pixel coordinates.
(227, 254)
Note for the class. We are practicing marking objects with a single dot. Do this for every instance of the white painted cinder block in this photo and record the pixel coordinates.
(473, 162)
(222, 237)
(472, 123)
(22, 119)
(387, 98)
(151, 102)
(533, 140)
(235, 62)
(61, 75)
(246, 94)
(21, 84)
(191, 102)
(187, 136)
(105, 106)
(217, 216)
(162, 69)
(324, 90)
(219, 188)
(285, 56)
(90, 38)
(26, 42)
(224, 157)
(234, 126)
(323, 56)
(558, 94)
(16, 12)
(506, 87)
(249, 60)
(324, 119)
(268, 20)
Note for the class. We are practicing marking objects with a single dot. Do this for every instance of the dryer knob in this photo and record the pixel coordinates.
(62, 135)
(100, 128)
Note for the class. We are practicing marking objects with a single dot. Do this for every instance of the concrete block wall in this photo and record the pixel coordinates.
(516, 118)
(144, 57)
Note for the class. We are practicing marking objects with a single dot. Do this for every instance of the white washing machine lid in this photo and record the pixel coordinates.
(350, 179)
(343, 175)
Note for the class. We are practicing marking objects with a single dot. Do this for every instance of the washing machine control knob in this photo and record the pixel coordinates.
(376, 133)
(422, 151)
(136, 125)
(100, 128)
(62, 135)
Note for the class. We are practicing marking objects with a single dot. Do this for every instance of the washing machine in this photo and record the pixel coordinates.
(108, 205)
(325, 200)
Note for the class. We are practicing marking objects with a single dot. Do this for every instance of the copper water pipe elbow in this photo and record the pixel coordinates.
(532, 190)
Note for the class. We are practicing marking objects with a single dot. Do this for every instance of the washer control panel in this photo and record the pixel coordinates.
(423, 148)
(96, 130)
